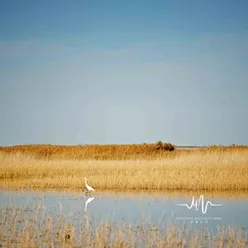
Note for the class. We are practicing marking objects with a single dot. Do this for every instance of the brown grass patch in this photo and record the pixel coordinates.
(101, 152)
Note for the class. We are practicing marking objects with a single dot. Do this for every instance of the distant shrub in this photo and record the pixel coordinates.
(164, 146)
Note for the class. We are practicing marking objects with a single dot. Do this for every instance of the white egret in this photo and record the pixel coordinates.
(88, 186)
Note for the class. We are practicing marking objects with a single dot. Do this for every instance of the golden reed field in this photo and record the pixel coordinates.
(145, 167)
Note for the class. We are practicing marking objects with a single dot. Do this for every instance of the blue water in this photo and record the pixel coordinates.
(132, 209)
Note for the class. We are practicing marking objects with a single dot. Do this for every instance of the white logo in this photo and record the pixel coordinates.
(196, 204)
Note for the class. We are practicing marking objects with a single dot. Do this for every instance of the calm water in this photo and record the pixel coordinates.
(127, 208)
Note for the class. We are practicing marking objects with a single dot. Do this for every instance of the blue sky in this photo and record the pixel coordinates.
(84, 72)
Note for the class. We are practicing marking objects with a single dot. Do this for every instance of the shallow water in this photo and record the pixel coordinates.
(159, 210)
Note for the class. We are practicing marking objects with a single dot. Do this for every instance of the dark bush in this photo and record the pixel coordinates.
(160, 146)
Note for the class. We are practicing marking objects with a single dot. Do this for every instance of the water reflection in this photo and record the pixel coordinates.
(159, 209)
(90, 199)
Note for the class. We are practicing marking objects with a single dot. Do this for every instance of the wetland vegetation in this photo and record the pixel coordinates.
(206, 169)
(152, 168)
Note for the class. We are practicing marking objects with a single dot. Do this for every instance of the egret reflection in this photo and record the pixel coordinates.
(90, 199)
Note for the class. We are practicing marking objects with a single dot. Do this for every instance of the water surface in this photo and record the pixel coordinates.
(127, 208)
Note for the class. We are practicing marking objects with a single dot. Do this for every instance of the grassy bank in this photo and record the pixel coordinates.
(101, 152)
(212, 169)
(22, 227)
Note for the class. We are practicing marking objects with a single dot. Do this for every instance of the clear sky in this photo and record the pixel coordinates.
(83, 72)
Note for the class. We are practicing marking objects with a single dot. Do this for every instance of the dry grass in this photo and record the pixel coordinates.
(101, 152)
(212, 169)
(25, 227)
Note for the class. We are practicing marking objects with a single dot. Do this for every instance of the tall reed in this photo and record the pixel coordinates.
(206, 169)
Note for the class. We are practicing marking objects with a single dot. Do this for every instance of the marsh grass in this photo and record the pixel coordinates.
(35, 227)
(212, 169)
(101, 152)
